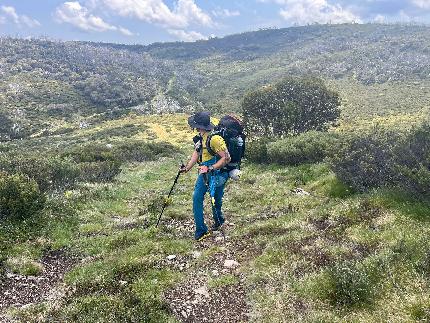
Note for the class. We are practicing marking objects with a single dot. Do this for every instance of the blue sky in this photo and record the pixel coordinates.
(148, 21)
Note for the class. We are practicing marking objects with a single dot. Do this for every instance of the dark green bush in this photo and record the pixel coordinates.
(385, 159)
(412, 161)
(20, 196)
(365, 161)
(309, 147)
(143, 151)
(127, 130)
(291, 106)
(99, 172)
(256, 151)
(91, 153)
(50, 172)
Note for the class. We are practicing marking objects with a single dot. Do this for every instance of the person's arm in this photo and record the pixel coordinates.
(193, 160)
(224, 160)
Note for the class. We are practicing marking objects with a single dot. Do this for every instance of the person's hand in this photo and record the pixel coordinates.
(203, 169)
(183, 169)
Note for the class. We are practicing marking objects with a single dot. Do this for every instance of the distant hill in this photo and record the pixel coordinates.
(378, 69)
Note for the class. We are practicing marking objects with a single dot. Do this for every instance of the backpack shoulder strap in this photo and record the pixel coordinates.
(208, 144)
(198, 146)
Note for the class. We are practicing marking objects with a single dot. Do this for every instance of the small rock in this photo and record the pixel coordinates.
(171, 257)
(202, 291)
(196, 254)
(219, 239)
(300, 191)
(215, 272)
(184, 314)
(228, 263)
(123, 282)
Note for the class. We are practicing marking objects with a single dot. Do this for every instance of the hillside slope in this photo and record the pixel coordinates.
(51, 81)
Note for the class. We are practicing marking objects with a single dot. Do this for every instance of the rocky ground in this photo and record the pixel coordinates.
(197, 300)
(19, 291)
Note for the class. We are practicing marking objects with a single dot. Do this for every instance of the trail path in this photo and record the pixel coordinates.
(195, 299)
(21, 291)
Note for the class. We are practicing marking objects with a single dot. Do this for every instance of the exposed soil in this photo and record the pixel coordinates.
(193, 301)
(19, 290)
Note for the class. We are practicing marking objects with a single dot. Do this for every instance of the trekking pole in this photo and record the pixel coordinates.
(170, 193)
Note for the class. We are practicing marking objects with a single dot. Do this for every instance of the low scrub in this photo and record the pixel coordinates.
(309, 147)
(92, 153)
(353, 283)
(139, 151)
(20, 196)
(256, 151)
(50, 172)
(412, 161)
(382, 159)
(364, 161)
(99, 172)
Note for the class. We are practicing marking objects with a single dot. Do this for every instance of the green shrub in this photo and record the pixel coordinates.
(256, 151)
(92, 153)
(412, 161)
(385, 159)
(50, 172)
(291, 106)
(127, 130)
(309, 147)
(20, 196)
(99, 172)
(143, 151)
(365, 161)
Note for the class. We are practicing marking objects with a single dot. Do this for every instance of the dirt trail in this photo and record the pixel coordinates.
(20, 291)
(195, 299)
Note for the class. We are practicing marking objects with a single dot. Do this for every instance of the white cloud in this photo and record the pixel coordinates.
(225, 13)
(185, 12)
(423, 4)
(80, 17)
(380, 19)
(125, 31)
(192, 13)
(187, 36)
(310, 11)
(11, 14)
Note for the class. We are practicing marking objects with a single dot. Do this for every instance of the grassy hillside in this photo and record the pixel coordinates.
(378, 69)
(307, 248)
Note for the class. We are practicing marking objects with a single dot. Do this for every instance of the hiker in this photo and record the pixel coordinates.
(210, 177)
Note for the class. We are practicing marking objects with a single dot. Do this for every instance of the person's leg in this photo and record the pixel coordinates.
(217, 207)
(198, 197)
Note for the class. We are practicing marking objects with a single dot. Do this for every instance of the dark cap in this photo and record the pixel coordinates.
(201, 120)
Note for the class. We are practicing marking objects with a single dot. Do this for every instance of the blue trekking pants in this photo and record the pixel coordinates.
(216, 181)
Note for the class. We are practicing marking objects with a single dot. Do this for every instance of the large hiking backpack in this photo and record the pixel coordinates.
(231, 130)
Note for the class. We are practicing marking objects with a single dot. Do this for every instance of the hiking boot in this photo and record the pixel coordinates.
(216, 226)
(203, 236)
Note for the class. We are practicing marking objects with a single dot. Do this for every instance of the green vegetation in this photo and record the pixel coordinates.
(291, 106)
(385, 158)
(326, 226)
(50, 87)
(331, 255)
(309, 147)
(20, 196)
